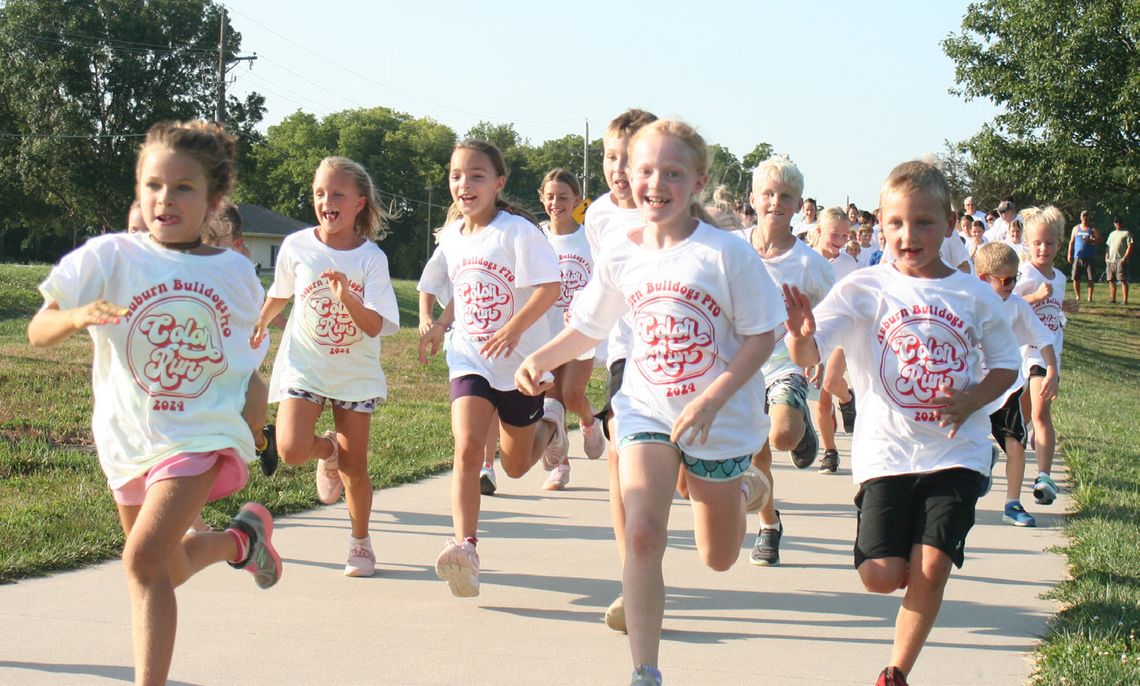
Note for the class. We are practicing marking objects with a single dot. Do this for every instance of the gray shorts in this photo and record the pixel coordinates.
(791, 390)
(365, 406)
(1117, 270)
(709, 470)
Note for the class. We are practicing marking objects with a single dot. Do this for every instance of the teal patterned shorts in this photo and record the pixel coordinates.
(709, 470)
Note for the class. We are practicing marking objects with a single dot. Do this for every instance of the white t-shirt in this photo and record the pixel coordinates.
(575, 264)
(1048, 311)
(998, 231)
(904, 338)
(434, 279)
(803, 228)
(606, 223)
(171, 377)
(1028, 330)
(954, 252)
(494, 273)
(323, 351)
(690, 304)
(843, 264)
(808, 271)
(864, 259)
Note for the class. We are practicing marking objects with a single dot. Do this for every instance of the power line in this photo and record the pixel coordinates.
(71, 135)
(393, 88)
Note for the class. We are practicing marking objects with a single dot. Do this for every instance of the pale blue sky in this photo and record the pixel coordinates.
(848, 89)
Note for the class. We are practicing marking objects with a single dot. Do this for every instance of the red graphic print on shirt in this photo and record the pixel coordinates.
(575, 273)
(485, 298)
(174, 346)
(327, 319)
(921, 355)
(677, 338)
(1050, 314)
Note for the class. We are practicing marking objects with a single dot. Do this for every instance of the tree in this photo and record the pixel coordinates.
(726, 170)
(761, 152)
(1066, 76)
(81, 81)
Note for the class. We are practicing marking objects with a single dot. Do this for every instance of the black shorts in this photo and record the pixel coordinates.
(1082, 266)
(515, 407)
(899, 512)
(1037, 370)
(1008, 422)
(613, 385)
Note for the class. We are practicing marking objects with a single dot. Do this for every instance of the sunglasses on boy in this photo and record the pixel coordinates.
(1005, 280)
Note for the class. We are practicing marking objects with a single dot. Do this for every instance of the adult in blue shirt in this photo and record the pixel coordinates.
(1082, 251)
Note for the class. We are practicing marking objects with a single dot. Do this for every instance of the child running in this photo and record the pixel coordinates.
(997, 265)
(504, 276)
(916, 333)
(607, 221)
(704, 312)
(777, 188)
(1043, 287)
(330, 350)
(560, 194)
(169, 318)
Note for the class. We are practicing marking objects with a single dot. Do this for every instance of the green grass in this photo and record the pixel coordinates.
(1093, 639)
(56, 511)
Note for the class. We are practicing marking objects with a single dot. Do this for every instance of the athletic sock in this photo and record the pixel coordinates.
(242, 541)
(264, 442)
(769, 527)
(1043, 474)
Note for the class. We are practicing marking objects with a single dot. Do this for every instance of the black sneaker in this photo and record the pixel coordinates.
(847, 409)
(766, 552)
(830, 462)
(804, 453)
(268, 458)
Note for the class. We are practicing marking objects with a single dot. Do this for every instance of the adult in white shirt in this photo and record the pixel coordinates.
(999, 230)
(808, 224)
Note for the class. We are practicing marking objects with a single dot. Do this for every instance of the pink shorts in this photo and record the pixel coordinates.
(231, 478)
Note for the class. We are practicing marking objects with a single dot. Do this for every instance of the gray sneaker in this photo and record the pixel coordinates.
(803, 455)
(644, 675)
(829, 464)
(766, 552)
(263, 562)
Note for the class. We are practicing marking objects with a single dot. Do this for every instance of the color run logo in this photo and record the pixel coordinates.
(920, 357)
(485, 298)
(174, 347)
(676, 337)
(574, 277)
(328, 319)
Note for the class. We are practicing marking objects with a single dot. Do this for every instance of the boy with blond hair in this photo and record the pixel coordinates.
(916, 333)
(997, 265)
(607, 220)
(777, 189)
(1043, 287)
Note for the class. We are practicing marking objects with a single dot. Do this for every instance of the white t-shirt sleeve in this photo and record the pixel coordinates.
(434, 279)
(537, 262)
(284, 276)
(1027, 327)
(379, 296)
(999, 346)
(834, 319)
(757, 304)
(599, 305)
(78, 279)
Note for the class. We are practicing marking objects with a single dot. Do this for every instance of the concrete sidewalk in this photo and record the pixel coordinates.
(549, 571)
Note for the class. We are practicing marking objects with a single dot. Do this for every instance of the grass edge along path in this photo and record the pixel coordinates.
(1093, 638)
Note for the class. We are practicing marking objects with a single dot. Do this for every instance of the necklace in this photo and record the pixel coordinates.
(186, 246)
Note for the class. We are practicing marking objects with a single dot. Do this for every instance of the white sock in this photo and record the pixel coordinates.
(1043, 474)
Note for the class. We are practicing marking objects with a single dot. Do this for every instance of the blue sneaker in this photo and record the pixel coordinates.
(1016, 515)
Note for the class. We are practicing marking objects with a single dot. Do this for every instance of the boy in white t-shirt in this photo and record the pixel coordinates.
(1043, 287)
(916, 334)
(997, 265)
(777, 185)
(834, 226)
(607, 220)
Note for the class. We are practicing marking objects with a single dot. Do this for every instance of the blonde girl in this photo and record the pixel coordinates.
(559, 194)
(330, 350)
(704, 312)
(504, 278)
(170, 319)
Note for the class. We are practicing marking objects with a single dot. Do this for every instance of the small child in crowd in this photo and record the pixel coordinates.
(1043, 287)
(997, 265)
(916, 333)
(170, 378)
(330, 351)
(688, 286)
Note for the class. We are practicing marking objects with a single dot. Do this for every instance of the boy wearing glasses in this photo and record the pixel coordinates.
(997, 265)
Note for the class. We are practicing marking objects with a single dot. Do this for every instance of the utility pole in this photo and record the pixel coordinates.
(586, 162)
(224, 67)
(427, 255)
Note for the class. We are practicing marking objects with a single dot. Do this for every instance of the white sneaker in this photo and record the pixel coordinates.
(458, 565)
(558, 478)
(757, 490)
(361, 559)
(593, 440)
(329, 484)
(556, 451)
(487, 484)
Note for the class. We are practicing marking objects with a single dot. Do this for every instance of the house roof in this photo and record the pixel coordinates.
(262, 221)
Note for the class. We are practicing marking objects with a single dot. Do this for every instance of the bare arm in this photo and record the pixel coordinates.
(956, 406)
(427, 309)
(698, 415)
(505, 340)
(269, 311)
(567, 345)
(52, 325)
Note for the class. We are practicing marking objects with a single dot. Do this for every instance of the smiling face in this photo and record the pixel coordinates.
(475, 184)
(173, 195)
(833, 235)
(1041, 240)
(775, 204)
(615, 152)
(336, 200)
(558, 200)
(810, 212)
(663, 179)
(915, 225)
